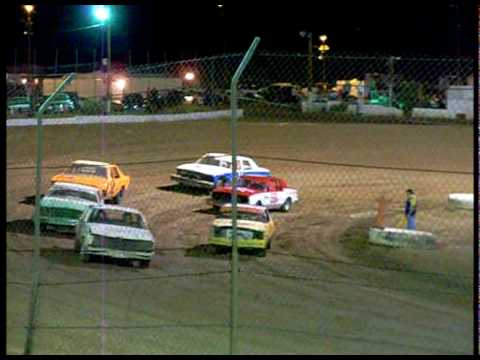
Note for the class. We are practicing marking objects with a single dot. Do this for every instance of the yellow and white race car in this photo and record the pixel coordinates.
(255, 228)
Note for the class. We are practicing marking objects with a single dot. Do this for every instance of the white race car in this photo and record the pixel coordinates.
(213, 169)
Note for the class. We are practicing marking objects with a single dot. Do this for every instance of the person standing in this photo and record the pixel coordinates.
(411, 210)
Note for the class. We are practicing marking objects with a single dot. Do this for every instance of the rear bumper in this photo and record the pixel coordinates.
(202, 184)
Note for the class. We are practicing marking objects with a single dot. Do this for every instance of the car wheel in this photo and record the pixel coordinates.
(118, 199)
(269, 245)
(77, 246)
(85, 258)
(144, 264)
(262, 253)
(259, 203)
(287, 205)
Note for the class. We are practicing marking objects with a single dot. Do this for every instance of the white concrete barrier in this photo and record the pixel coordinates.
(125, 119)
(461, 201)
(401, 238)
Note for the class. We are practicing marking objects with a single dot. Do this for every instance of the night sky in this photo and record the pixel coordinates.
(184, 30)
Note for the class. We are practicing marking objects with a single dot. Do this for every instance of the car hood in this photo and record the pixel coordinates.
(241, 191)
(66, 203)
(205, 169)
(244, 224)
(95, 181)
(123, 232)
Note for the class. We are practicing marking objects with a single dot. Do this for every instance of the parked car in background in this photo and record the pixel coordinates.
(268, 191)
(115, 232)
(64, 204)
(133, 102)
(255, 228)
(286, 93)
(213, 169)
(106, 177)
(19, 105)
(65, 102)
(212, 98)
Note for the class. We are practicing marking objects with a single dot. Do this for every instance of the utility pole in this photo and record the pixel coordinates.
(109, 67)
(15, 61)
(56, 61)
(391, 74)
(76, 60)
(309, 36)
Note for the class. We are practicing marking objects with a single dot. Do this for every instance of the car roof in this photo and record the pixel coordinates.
(229, 158)
(119, 208)
(87, 162)
(215, 154)
(76, 187)
(245, 208)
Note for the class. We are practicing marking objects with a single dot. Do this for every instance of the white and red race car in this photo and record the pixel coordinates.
(268, 191)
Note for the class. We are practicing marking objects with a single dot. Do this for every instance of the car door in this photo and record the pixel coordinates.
(271, 196)
(115, 176)
(270, 226)
(81, 226)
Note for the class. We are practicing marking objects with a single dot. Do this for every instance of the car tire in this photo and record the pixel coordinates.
(262, 253)
(118, 199)
(77, 246)
(259, 203)
(269, 245)
(287, 205)
(86, 258)
(144, 264)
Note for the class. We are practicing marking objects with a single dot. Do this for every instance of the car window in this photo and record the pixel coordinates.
(247, 164)
(209, 160)
(258, 187)
(117, 217)
(73, 194)
(248, 216)
(92, 170)
(115, 173)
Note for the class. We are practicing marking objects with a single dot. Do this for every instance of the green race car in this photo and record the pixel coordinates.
(64, 204)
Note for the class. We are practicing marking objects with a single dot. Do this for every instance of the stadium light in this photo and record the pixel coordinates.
(101, 13)
(189, 76)
(29, 8)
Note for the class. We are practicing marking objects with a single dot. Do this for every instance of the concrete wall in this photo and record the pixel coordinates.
(460, 101)
(93, 84)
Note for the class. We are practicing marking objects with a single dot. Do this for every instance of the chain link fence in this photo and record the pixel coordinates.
(350, 137)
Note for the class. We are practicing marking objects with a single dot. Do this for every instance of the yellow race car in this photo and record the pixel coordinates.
(106, 177)
(255, 228)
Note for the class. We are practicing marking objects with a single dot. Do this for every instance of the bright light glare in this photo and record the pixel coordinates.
(101, 12)
(28, 8)
(323, 38)
(188, 99)
(189, 76)
(24, 81)
(120, 84)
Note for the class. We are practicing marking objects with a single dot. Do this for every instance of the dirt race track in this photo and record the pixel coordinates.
(321, 289)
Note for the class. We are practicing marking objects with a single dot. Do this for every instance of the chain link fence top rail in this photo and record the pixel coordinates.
(369, 128)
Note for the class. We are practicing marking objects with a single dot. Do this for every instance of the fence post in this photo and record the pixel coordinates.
(233, 123)
(36, 240)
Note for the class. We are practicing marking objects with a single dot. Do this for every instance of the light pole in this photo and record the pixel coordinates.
(309, 36)
(102, 13)
(324, 48)
(29, 9)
